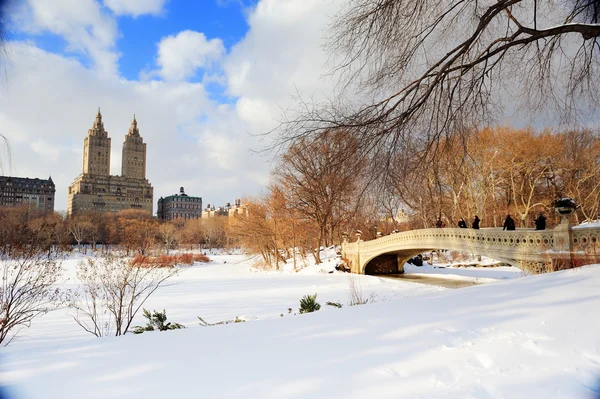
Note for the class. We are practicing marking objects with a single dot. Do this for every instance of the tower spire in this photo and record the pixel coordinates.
(133, 129)
(98, 127)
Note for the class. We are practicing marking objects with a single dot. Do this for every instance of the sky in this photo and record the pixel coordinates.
(205, 79)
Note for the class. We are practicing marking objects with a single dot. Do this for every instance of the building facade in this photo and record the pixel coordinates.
(179, 206)
(228, 210)
(35, 193)
(95, 189)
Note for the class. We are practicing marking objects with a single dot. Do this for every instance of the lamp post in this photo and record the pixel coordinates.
(561, 234)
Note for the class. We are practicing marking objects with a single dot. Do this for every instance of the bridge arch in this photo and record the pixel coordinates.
(393, 262)
(531, 250)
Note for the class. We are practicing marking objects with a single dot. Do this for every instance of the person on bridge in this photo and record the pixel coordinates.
(439, 224)
(509, 223)
(476, 221)
(540, 222)
(462, 224)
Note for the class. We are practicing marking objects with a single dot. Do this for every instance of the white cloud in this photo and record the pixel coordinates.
(135, 8)
(83, 24)
(48, 98)
(192, 141)
(180, 56)
(47, 150)
(280, 55)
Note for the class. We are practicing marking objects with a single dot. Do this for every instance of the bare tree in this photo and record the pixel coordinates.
(423, 70)
(321, 179)
(27, 288)
(113, 290)
(81, 228)
(169, 234)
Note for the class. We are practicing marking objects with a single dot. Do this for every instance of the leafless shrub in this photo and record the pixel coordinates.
(356, 292)
(113, 290)
(27, 289)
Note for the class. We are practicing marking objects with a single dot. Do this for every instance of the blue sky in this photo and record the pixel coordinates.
(138, 35)
(205, 79)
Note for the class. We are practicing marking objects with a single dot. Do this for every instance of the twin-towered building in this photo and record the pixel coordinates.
(95, 189)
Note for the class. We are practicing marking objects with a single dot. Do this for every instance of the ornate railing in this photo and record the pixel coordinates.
(518, 246)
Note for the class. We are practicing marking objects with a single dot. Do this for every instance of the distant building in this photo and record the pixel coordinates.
(212, 211)
(227, 210)
(37, 193)
(237, 209)
(96, 190)
(179, 206)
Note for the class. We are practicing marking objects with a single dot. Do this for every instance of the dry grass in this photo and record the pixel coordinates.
(169, 260)
(586, 259)
(355, 292)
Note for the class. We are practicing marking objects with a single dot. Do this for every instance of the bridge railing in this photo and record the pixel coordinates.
(586, 239)
(529, 248)
(523, 240)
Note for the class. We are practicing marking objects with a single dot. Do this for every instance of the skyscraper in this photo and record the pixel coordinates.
(96, 189)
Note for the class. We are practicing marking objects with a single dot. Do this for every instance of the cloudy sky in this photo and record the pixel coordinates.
(203, 78)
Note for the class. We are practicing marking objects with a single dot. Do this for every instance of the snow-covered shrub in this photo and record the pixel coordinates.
(309, 304)
(112, 291)
(156, 321)
(27, 287)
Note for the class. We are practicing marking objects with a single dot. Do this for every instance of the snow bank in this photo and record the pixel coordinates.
(534, 337)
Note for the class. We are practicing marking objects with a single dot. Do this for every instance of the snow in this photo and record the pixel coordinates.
(529, 337)
(476, 274)
(588, 225)
(465, 267)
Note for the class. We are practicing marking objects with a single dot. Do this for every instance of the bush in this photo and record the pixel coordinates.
(111, 291)
(156, 321)
(168, 260)
(334, 304)
(201, 258)
(309, 304)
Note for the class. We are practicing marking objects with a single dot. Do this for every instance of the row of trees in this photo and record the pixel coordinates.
(133, 231)
(496, 171)
(328, 185)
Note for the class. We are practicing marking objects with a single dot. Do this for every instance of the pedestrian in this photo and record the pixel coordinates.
(439, 223)
(476, 221)
(540, 222)
(462, 224)
(509, 223)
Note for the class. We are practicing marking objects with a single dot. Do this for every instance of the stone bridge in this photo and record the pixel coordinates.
(531, 250)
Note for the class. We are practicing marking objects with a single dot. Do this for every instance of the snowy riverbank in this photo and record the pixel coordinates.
(531, 337)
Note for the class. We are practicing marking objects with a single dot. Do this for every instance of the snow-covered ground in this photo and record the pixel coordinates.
(476, 274)
(530, 337)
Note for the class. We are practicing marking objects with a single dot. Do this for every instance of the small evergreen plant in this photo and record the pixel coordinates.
(309, 304)
(156, 321)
